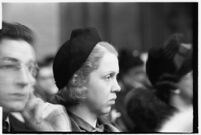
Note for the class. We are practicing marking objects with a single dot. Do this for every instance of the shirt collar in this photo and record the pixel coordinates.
(6, 124)
(85, 126)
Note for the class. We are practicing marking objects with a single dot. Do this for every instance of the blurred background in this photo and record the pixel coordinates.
(127, 26)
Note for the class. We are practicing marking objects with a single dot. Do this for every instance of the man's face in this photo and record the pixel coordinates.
(102, 85)
(45, 81)
(17, 70)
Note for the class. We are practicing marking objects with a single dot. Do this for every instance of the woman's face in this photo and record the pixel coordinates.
(102, 85)
(186, 85)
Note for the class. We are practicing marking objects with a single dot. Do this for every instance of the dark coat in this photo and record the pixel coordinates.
(16, 126)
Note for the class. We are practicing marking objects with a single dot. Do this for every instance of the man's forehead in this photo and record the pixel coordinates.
(8, 59)
(15, 50)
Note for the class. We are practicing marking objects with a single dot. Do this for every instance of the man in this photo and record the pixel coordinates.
(17, 78)
(45, 84)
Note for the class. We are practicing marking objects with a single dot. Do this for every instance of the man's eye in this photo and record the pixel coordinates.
(33, 71)
(14, 67)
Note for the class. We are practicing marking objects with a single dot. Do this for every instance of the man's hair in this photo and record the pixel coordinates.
(16, 31)
(74, 90)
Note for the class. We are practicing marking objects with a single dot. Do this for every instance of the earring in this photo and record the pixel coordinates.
(177, 91)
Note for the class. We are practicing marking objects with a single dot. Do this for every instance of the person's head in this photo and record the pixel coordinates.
(169, 68)
(132, 71)
(94, 82)
(45, 85)
(146, 111)
(17, 66)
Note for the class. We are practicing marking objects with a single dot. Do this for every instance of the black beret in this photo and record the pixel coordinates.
(169, 62)
(73, 53)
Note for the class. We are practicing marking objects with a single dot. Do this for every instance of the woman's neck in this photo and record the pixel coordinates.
(83, 112)
(180, 103)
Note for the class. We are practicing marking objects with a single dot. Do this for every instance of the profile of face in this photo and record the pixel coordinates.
(186, 85)
(17, 71)
(102, 85)
(45, 80)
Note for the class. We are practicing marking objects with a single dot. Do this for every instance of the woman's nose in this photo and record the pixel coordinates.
(116, 87)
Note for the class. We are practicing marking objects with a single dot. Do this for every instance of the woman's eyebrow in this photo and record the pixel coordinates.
(111, 72)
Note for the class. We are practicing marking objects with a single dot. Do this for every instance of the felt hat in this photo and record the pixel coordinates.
(169, 62)
(73, 53)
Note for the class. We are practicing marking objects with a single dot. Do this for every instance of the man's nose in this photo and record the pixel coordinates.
(25, 77)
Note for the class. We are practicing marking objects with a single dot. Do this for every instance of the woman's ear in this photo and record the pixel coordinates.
(82, 92)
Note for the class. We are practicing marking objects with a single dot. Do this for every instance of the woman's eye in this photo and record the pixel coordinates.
(110, 76)
(11, 67)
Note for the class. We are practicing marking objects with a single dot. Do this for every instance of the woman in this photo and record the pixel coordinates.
(85, 71)
(170, 71)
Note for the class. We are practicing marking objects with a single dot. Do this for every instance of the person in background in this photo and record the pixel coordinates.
(18, 70)
(132, 76)
(85, 70)
(132, 70)
(146, 111)
(45, 87)
(169, 69)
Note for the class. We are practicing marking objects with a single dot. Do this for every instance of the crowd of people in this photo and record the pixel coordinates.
(90, 86)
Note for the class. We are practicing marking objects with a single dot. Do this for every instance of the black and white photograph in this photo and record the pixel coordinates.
(99, 67)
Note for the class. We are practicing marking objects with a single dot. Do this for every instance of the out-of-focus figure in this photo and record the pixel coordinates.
(18, 69)
(153, 109)
(132, 75)
(169, 69)
(45, 86)
(132, 70)
(180, 122)
(146, 111)
(22, 111)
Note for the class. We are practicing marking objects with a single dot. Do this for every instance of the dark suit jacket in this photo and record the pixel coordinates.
(17, 126)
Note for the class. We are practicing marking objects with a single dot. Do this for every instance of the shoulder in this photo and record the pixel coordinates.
(18, 126)
(179, 122)
(108, 126)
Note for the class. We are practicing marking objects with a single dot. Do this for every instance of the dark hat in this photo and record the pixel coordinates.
(169, 62)
(73, 53)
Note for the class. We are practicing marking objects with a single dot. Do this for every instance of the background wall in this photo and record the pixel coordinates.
(42, 18)
(125, 25)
